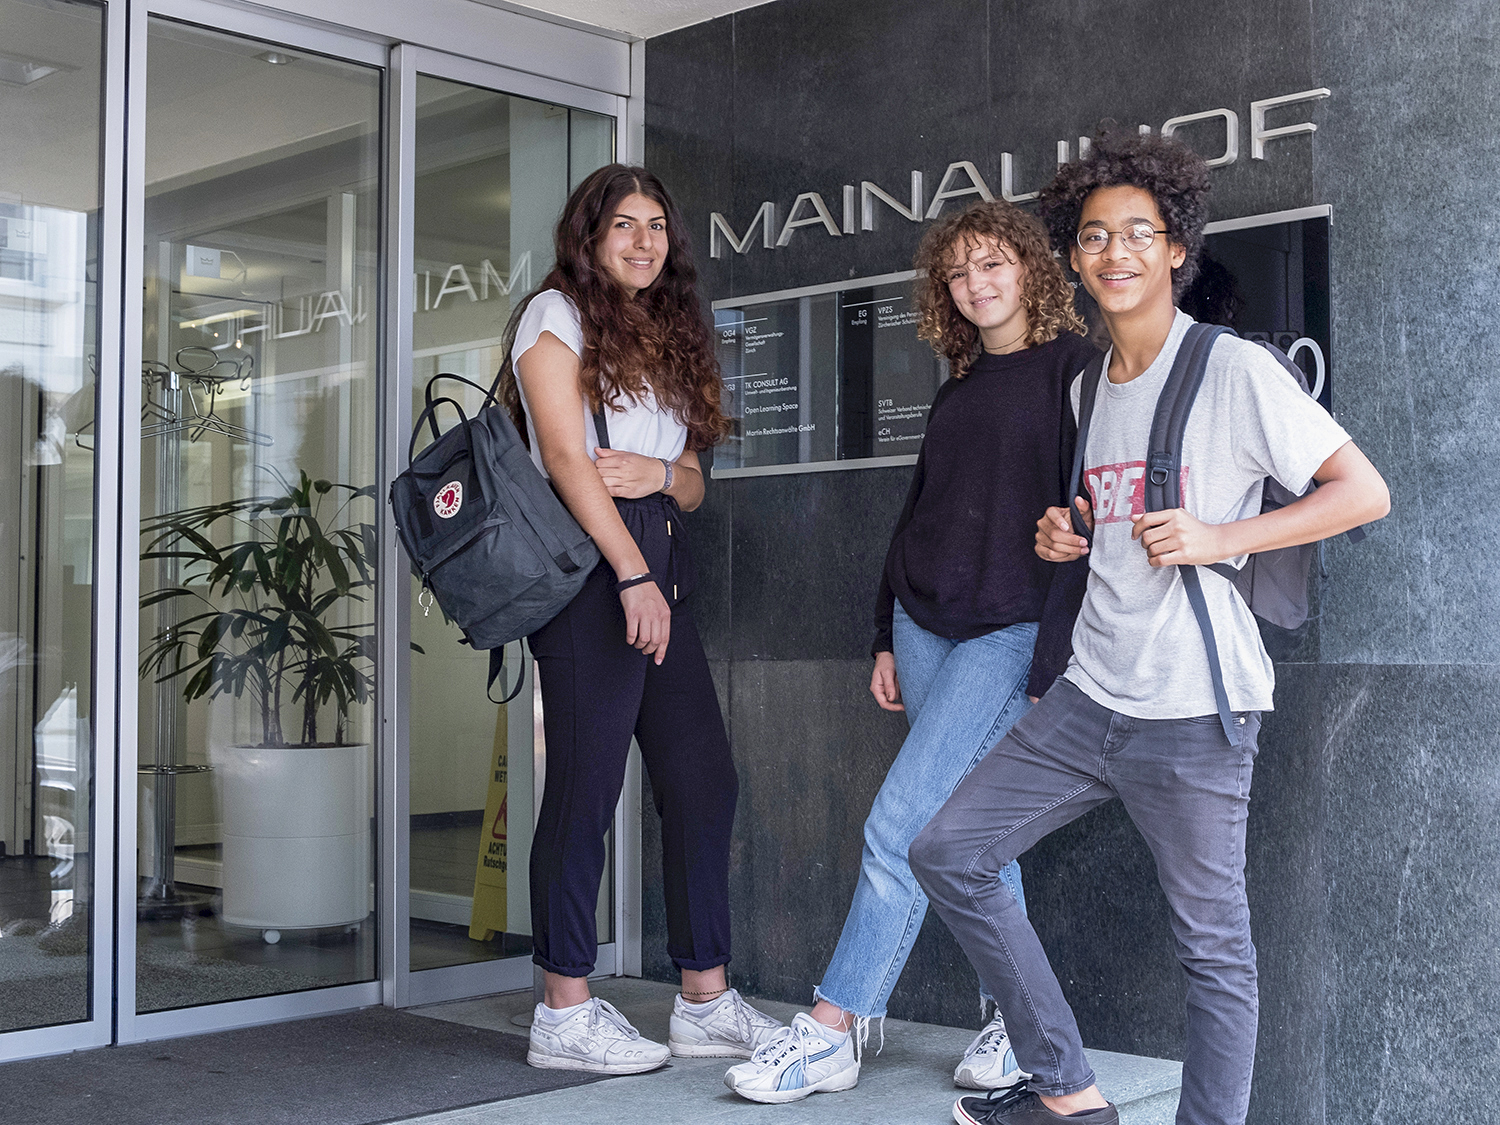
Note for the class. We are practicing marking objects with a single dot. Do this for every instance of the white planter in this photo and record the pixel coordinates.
(296, 835)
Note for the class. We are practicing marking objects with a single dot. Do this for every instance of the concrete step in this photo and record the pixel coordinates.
(1144, 1089)
(910, 1081)
(1157, 1109)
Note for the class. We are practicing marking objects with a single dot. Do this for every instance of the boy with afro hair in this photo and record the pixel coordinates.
(1134, 717)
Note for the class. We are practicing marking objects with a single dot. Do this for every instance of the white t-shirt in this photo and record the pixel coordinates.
(1136, 645)
(642, 427)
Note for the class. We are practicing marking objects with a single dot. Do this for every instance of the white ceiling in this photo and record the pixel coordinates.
(639, 19)
(50, 129)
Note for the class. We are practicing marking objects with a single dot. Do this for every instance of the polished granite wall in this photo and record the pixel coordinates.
(1374, 866)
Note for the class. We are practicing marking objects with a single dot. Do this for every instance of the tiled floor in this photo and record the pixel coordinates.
(911, 1080)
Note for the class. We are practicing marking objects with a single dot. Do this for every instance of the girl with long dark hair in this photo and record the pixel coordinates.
(970, 625)
(611, 374)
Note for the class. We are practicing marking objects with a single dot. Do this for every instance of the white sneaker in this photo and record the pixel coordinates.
(594, 1037)
(989, 1063)
(729, 1029)
(800, 1060)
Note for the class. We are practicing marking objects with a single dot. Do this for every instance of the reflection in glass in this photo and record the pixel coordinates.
(1269, 282)
(493, 172)
(258, 513)
(49, 223)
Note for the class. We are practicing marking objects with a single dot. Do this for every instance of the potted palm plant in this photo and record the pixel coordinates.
(263, 609)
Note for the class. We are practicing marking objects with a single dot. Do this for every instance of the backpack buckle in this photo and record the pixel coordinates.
(1160, 465)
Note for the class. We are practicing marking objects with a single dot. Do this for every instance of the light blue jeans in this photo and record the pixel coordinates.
(961, 697)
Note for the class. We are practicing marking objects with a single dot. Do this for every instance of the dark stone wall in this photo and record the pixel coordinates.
(1374, 865)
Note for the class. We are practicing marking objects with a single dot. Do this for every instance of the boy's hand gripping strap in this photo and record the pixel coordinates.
(1163, 487)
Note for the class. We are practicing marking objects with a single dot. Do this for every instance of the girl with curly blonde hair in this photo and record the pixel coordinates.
(970, 625)
(1046, 298)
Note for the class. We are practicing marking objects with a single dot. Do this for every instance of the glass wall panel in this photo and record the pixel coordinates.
(493, 172)
(258, 509)
(50, 74)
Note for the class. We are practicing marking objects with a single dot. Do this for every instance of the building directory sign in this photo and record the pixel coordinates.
(835, 377)
(824, 377)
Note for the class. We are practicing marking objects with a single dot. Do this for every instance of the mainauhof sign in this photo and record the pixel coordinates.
(962, 179)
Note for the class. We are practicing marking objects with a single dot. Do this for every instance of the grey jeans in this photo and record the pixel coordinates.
(1188, 791)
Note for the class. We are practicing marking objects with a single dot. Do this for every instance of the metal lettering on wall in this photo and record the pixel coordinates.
(823, 377)
(962, 180)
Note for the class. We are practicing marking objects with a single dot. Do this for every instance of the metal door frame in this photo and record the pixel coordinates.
(97, 1029)
(113, 1017)
(403, 986)
(132, 1026)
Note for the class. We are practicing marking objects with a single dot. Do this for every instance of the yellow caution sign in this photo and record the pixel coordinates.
(488, 915)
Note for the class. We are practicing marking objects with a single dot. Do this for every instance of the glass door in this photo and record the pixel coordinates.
(300, 812)
(256, 681)
(54, 838)
(491, 172)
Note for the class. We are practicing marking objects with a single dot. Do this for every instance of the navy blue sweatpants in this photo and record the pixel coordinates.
(596, 692)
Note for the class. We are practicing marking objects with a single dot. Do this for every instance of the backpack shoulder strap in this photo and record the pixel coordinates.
(1194, 589)
(497, 669)
(1164, 465)
(1163, 485)
(1088, 390)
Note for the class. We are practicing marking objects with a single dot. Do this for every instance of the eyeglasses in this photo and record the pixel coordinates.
(1136, 237)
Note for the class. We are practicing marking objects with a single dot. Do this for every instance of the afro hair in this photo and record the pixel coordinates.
(1174, 175)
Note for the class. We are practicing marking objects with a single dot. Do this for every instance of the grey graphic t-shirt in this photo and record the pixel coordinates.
(1136, 645)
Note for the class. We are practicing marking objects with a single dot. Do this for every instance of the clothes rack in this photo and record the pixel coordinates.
(170, 410)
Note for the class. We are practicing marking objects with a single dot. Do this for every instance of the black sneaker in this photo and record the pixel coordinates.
(1016, 1105)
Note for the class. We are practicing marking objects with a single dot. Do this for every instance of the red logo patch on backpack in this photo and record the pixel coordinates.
(449, 499)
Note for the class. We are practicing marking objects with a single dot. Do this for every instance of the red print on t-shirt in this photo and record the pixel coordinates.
(1119, 491)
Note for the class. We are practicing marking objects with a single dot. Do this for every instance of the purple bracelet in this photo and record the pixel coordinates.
(633, 580)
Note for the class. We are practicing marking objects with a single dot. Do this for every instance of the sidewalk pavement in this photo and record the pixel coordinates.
(910, 1081)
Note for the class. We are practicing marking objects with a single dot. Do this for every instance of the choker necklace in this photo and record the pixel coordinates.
(1001, 350)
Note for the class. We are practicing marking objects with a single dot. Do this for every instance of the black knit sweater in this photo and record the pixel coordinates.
(997, 453)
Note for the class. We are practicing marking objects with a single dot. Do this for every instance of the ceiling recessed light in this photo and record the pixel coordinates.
(18, 70)
(276, 58)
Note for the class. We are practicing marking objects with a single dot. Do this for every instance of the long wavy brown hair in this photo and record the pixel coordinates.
(657, 341)
(1046, 295)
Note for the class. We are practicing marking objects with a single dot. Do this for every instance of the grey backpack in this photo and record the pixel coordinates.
(490, 540)
(1275, 583)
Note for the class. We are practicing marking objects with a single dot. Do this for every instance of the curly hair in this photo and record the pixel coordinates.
(1175, 177)
(656, 342)
(1046, 296)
